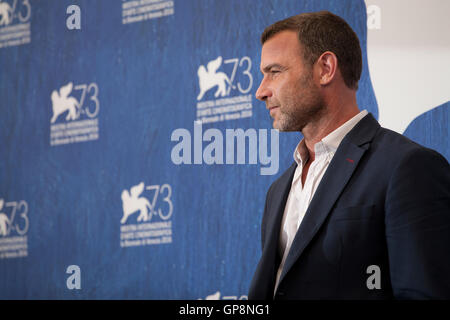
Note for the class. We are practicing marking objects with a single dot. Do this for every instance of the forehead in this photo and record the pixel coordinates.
(283, 48)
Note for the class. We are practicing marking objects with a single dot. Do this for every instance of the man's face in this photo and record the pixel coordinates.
(288, 87)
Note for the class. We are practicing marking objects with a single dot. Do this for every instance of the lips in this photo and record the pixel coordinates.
(272, 109)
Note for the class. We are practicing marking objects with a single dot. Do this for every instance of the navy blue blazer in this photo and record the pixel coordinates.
(384, 201)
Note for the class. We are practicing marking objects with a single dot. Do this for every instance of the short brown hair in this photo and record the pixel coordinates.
(323, 31)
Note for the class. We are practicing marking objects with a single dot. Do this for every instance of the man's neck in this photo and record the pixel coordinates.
(316, 131)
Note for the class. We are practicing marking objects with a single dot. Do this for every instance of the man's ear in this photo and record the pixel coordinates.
(326, 67)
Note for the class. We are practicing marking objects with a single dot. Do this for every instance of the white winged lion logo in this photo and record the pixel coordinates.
(62, 102)
(4, 221)
(5, 13)
(209, 78)
(131, 203)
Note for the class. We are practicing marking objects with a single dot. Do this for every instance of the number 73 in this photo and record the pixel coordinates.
(157, 189)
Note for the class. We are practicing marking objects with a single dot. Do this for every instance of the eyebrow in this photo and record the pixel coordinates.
(270, 66)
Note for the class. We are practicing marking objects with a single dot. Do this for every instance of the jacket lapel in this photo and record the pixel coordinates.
(279, 203)
(341, 168)
(264, 279)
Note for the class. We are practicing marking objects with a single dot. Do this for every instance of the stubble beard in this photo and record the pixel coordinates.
(307, 106)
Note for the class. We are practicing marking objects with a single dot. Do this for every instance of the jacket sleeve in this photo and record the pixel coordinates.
(418, 226)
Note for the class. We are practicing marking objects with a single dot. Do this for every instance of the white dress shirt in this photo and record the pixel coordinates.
(300, 196)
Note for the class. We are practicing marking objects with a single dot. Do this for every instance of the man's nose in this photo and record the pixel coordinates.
(263, 91)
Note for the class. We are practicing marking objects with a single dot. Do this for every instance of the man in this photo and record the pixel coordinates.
(363, 212)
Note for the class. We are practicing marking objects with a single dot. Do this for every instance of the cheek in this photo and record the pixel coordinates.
(292, 93)
(283, 90)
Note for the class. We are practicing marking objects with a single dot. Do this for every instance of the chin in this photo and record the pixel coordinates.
(275, 125)
(282, 129)
(285, 128)
(279, 125)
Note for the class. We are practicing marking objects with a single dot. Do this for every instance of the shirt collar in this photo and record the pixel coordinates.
(301, 154)
(329, 144)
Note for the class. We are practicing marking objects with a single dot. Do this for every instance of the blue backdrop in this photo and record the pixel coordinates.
(87, 169)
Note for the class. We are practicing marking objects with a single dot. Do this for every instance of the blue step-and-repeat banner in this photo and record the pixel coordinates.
(134, 156)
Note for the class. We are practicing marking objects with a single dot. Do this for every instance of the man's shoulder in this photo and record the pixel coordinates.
(394, 145)
(388, 149)
(382, 142)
